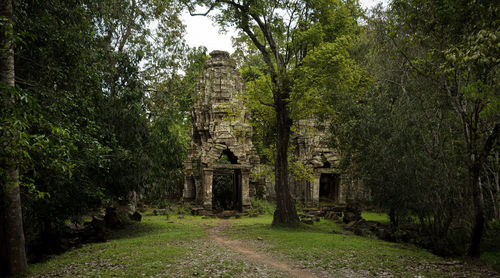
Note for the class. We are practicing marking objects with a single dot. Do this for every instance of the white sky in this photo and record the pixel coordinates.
(201, 30)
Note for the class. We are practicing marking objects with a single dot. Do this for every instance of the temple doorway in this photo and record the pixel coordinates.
(329, 184)
(226, 190)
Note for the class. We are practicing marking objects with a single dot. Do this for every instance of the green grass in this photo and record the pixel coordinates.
(376, 216)
(317, 247)
(141, 249)
(174, 247)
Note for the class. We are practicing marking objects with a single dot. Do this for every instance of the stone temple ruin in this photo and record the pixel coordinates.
(310, 148)
(222, 156)
(221, 153)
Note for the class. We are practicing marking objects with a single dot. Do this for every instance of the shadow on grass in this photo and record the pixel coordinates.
(324, 227)
(138, 229)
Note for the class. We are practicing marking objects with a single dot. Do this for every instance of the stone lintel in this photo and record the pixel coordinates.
(326, 171)
(229, 166)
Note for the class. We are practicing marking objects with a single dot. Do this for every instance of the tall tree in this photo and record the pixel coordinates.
(459, 55)
(12, 244)
(432, 115)
(82, 62)
(284, 34)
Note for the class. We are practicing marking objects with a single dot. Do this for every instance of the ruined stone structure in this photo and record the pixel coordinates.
(310, 148)
(222, 156)
(221, 139)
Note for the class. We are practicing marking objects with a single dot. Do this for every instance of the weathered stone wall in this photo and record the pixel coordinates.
(310, 148)
(220, 126)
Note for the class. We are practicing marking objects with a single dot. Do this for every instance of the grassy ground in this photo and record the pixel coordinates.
(156, 247)
(161, 247)
(142, 249)
(376, 216)
(339, 255)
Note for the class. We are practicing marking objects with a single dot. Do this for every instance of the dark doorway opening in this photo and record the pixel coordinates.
(227, 157)
(193, 187)
(226, 190)
(329, 187)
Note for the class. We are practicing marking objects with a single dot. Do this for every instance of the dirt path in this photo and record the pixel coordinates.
(257, 257)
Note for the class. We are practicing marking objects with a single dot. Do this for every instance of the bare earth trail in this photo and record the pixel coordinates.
(255, 256)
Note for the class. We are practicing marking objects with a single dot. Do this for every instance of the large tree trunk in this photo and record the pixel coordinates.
(285, 213)
(12, 234)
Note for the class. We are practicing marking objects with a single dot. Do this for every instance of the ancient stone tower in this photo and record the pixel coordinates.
(221, 153)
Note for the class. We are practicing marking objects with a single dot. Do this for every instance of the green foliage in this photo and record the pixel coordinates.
(301, 172)
(169, 105)
(259, 206)
(85, 128)
(328, 76)
(223, 192)
(28, 139)
(492, 237)
(375, 216)
(258, 88)
(427, 114)
(318, 69)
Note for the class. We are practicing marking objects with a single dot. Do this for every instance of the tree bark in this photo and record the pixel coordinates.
(14, 232)
(479, 219)
(12, 240)
(476, 163)
(285, 213)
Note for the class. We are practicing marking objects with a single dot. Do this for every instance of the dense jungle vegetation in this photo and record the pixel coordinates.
(96, 100)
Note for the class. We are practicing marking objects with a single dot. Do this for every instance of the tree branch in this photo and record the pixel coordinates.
(202, 14)
(129, 27)
(488, 145)
(269, 38)
(265, 103)
(267, 58)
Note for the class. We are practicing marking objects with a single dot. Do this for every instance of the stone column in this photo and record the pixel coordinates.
(343, 187)
(307, 187)
(245, 189)
(208, 175)
(187, 194)
(315, 189)
(198, 190)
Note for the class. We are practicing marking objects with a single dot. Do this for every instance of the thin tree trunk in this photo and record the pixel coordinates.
(494, 202)
(12, 230)
(285, 213)
(4, 253)
(496, 175)
(479, 219)
(476, 163)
